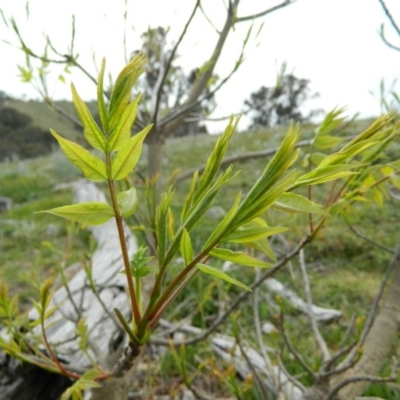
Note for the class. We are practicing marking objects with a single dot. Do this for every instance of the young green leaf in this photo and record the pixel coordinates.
(214, 160)
(126, 159)
(162, 211)
(186, 247)
(139, 264)
(331, 121)
(222, 226)
(252, 235)
(327, 141)
(92, 132)
(170, 224)
(122, 133)
(123, 89)
(101, 105)
(127, 202)
(238, 258)
(271, 183)
(346, 153)
(294, 203)
(92, 167)
(324, 174)
(187, 204)
(261, 245)
(93, 213)
(86, 381)
(221, 275)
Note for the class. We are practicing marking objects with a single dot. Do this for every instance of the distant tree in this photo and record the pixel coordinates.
(271, 106)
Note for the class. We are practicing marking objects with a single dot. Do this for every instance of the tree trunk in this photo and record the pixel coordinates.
(154, 156)
(379, 342)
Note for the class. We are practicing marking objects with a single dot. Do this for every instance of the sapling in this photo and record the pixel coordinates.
(115, 155)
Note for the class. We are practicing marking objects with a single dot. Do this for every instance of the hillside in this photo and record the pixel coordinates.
(345, 270)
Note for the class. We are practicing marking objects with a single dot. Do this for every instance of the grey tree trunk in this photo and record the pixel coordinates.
(379, 343)
(154, 156)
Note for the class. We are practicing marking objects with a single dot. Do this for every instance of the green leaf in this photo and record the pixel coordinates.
(346, 153)
(326, 141)
(294, 203)
(92, 132)
(248, 211)
(92, 167)
(126, 159)
(219, 230)
(101, 105)
(86, 381)
(215, 159)
(139, 261)
(221, 275)
(261, 245)
(127, 202)
(93, 213)
(162, 224)
(269, 184)
(187, 204)
(254, 234)
(330, 122)
(186, 247)
(324, 174)
(121, 134)
(238, 258)
(170, 224)
(123, 89)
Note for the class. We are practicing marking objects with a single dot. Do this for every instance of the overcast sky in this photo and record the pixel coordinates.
(334, 43)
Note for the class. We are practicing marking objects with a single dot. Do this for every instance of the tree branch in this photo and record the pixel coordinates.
(353, 379)
(265, 12)
(159, 85)
(294, 352)
(369, 240)
(320, 340)
(394, 25)
(201, 83)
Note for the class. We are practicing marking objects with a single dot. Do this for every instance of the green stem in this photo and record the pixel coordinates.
(174, 295)
(151, 313)
(124, 249)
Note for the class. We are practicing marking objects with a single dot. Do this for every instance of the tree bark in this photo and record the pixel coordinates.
(379, 342)
(154, 156)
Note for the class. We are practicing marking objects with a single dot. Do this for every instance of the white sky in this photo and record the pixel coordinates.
(334, 43)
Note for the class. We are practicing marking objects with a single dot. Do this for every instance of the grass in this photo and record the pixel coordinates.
(345, 271)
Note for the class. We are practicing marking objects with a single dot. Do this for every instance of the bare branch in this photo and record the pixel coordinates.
(390, 17)
(394, 25)
(369, 240)
(265, 12)
(257, 325)
(296, 355)
(353, 379)
(291, 378)
(259, 381)
(159, 85)
(172, 122)
(64, 113)
(320, 340)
